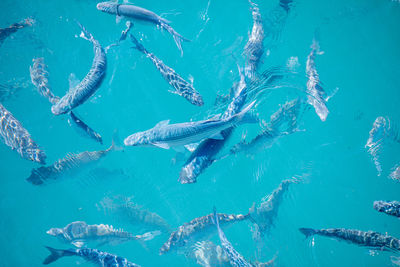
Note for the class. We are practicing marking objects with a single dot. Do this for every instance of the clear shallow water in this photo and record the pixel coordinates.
(360, 41)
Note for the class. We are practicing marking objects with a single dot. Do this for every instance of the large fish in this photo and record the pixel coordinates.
(139, 13)
(5, 32)
(198, 229)
(66, 165)
(367, 239)
(39, 78)
(18, 138)
(89, 85)
(78, 233)
(234, 257)
(181, 87)
(165, 135)
(282, 122)
(388, 207)
(97, 257)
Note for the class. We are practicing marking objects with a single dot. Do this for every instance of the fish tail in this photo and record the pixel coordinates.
(115, 143)
(252, 209)
(307, 231)
(85, 34)
(177, 37)
(55, 254)
(138, 45)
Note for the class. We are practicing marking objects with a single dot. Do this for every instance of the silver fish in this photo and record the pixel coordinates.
(89, 85)
(100, 258)
(78, 233)
(369, 239)
(198, 228)
(18, 138)
(388, 207)
(181, 87)
(139, 13)
(165, 135)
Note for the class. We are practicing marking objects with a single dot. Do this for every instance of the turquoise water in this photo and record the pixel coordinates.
(360, 40)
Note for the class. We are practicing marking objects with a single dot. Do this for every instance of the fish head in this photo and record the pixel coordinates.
(55, 232)
(108, 7)
(379, 205)
(137, 139)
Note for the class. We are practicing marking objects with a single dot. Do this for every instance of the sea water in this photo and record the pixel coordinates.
(339, 182)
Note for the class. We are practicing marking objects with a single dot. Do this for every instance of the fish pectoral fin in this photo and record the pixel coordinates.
(161, 145)
(162, 123)
(78, 244)
(217, 136)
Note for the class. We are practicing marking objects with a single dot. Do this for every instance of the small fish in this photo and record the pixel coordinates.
(181, 87)
(97, 257)
(388, 207)
(78, 233)
(316, 95)
(198, 229)
(369, 239)
(18, 138)
(139, 13)
(89, 85)
(66, 165)
(234, 257)
(5, 32)
(165, 135)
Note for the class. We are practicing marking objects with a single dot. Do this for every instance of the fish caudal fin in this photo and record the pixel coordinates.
(138, 45)
(308, 231)
(116, 144)
(56, 254)
(85, 34)
(177, 37)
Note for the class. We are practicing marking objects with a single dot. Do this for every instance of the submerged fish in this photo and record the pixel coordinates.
(198, 229)
(369, 239)
(234, 257)
(316, 95)
(388, 207)
(181, 87)
(100, 258)
(208, 254)
(39, 78)
(282, 122)
(89, 85)
(18, 138)
(5, 32)
(139, 13)
(165, 135)
(395, 174)
(62, 167)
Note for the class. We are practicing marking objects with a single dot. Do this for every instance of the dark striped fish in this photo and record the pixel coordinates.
(18, 138)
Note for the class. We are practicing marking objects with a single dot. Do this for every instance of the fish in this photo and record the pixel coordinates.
(141, 14)
(165, 135)
(18, 138)
(181, 87)
(88, 86)
(395, 174)
(78, 233)
(97, 257)
(66, 165)
(39, 78)
(282, 122)
(388, 207)
(254, 48)
(6, 32)
(198, 229)
(316, 95)
(235, 258)
(368, 239)
(136, 214)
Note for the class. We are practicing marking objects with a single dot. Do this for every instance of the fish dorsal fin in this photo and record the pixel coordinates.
(162, 123)
(217, 136)
(161, 145)
(73, 81)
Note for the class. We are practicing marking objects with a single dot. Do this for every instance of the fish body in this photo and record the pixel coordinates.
(369, 239)
(234, 257)
(5, 32)
(89, 85)
(315, 93)
(139, 13)
(388, 207)
(66, 165)
(167, 135)
(97, 257)
(181, 87)
(198, 228)
(18, 138)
